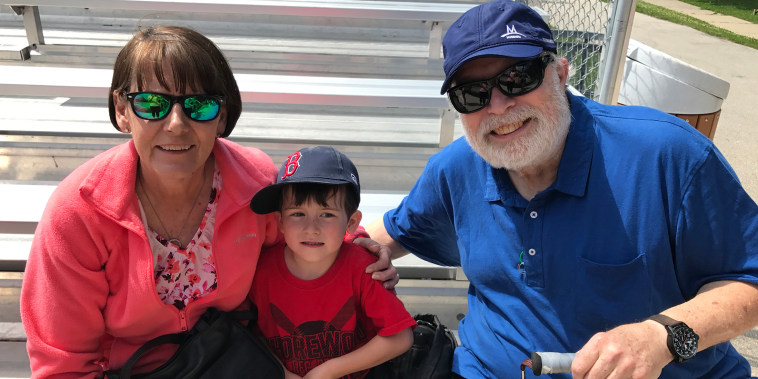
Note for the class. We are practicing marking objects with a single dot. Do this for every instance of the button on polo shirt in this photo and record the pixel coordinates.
(629, 228)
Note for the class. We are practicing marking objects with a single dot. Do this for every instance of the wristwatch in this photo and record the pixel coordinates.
(681, 341)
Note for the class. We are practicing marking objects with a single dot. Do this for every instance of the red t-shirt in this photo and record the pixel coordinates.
(307, 322)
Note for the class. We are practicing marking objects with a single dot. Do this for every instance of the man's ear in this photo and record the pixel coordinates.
(120, 104)
(563, 71)
(354, 221)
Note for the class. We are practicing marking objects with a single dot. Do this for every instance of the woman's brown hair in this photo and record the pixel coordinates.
(195, 61)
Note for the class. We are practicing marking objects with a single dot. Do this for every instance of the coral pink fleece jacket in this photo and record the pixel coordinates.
(88, 299)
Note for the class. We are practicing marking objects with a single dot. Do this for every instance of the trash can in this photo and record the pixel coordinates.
(654, 79)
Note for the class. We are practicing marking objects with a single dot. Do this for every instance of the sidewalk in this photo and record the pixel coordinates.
(733, 24)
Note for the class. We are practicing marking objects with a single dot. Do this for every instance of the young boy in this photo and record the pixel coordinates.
(321, 314)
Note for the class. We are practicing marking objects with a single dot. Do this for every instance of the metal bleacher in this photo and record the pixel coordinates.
(44, 135)
(43, 138)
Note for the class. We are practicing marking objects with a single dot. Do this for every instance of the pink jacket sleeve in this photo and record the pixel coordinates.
(64, 293)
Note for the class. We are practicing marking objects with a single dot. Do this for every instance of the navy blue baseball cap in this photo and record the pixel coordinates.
(501, 28)
(316, 164)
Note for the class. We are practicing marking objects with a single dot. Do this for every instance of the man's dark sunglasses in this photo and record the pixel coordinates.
(518, 79)
(156, 106)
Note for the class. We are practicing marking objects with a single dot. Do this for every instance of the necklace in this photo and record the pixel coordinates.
(174, 240)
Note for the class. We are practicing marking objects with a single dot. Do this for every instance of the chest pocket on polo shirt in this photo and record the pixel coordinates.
(609, 294)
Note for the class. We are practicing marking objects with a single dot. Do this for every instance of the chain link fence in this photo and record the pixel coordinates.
(579, 28)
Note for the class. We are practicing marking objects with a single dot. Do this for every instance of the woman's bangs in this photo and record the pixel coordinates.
(187, 70)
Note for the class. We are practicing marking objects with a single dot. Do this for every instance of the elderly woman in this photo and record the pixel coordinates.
(142, 239)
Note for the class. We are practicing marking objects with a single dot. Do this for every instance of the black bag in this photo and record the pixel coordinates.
(218, 346)
(430, 356)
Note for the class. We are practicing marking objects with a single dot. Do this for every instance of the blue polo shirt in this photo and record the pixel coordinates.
(644, 211)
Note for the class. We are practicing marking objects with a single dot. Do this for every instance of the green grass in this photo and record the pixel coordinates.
(742, 9)
(682, 19)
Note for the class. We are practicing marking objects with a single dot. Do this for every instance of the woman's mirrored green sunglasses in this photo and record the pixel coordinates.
(156, 106)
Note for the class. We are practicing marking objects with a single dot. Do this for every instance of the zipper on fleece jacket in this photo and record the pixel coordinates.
(183, 319)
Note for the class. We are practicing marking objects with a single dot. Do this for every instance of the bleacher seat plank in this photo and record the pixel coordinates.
(12, 331)
(23, 205)
(44, 81)
(436, 15)
(388, 10)
(27, 80)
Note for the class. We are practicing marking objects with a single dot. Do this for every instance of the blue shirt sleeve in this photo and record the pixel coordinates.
(717, 229)
(423, 222)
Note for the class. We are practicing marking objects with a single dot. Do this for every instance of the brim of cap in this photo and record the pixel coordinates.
(267, 199)
(510, 50)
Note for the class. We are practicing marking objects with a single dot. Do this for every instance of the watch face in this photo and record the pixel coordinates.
(684, 340)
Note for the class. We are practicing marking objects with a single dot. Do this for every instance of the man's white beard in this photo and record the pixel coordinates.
(543, 139)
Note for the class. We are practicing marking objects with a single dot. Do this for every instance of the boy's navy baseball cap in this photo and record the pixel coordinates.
(501, 28)
(316, 164)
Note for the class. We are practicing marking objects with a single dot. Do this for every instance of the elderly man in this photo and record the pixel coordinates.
(618, 232)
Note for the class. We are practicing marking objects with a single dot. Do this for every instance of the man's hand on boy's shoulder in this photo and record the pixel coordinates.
(360, 232)
(382, 270)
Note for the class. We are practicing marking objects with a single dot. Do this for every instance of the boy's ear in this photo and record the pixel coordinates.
(354, 221)
(278, 216)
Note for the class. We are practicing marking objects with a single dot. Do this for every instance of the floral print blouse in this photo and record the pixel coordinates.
(185, 275)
